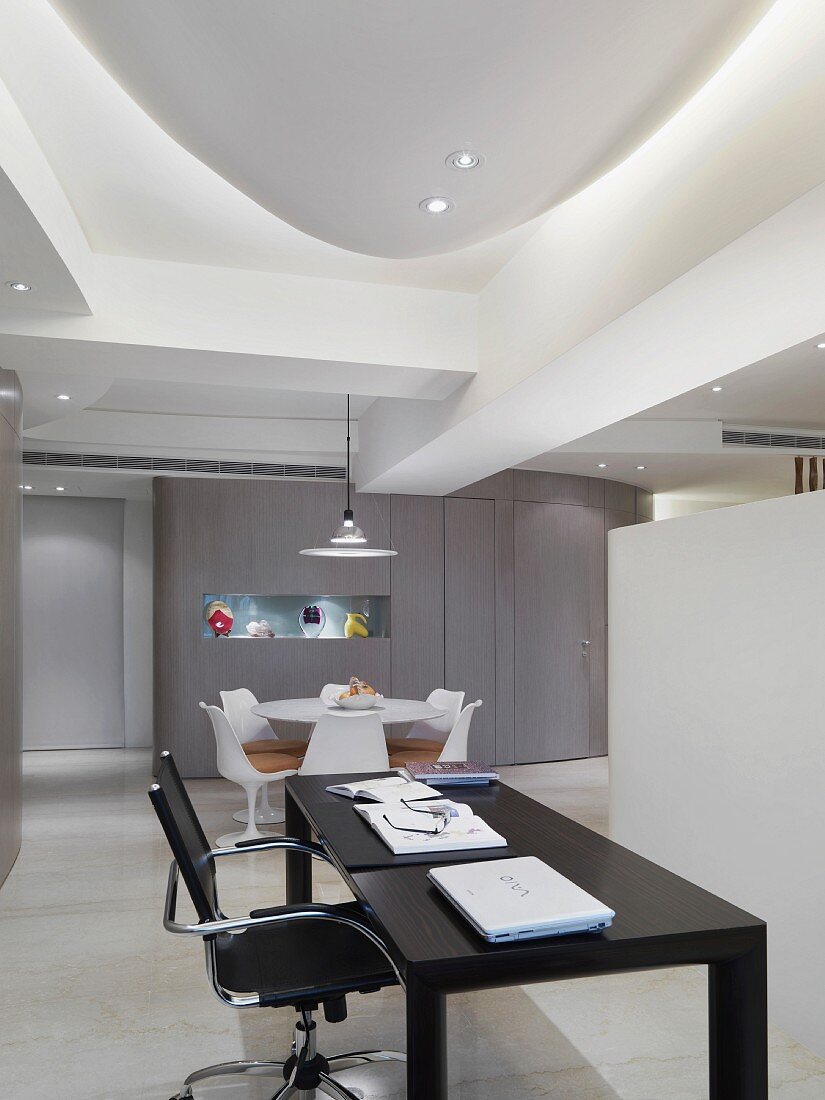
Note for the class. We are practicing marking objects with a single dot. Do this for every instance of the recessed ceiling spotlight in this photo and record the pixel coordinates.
(464, 159)
(59, 489)
(602, 465)
(18, 286)
(716, 389)
(63, 397)
(437, 204)
(641, 467)
(820, 345)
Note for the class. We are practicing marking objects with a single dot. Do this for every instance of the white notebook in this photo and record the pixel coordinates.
(393, 788)
(411, 832)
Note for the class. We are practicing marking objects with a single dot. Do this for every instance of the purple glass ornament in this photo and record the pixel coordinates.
(311, 620)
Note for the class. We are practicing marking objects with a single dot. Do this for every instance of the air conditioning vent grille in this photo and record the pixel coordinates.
(786, 441)
(181, 465)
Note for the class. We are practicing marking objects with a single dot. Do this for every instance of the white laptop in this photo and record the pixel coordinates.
(519, 899)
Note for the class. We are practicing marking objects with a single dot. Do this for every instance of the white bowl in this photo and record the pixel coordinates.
(358, 702)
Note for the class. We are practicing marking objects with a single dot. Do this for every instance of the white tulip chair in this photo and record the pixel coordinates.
(257, 736)
(430, 735)
(455, 747)
(236, 766)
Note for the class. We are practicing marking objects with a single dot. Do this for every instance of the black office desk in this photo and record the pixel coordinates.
(661, 921)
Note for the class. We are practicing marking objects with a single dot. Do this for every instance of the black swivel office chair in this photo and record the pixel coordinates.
(297, 955)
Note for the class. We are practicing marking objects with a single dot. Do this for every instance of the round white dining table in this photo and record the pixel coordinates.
(310, 710)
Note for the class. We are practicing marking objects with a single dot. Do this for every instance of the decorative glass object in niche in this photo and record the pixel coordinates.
(240, 615)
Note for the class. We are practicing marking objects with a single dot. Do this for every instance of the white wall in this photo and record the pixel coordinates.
(717, 720)
(72, 619)
(137, 623)
(86, 609)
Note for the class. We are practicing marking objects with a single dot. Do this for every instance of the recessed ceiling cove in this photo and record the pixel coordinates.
(339, 116)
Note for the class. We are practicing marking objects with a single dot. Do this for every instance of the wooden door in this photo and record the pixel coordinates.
(554, 560)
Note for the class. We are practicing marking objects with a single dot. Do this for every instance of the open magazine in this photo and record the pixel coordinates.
(452, 827)
(393, 788)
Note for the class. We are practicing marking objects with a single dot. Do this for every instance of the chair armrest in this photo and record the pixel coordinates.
(261, 917)
(287, 843)
(322, 911)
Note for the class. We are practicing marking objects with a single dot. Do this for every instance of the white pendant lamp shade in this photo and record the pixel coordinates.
(348, 540)
(347, 552)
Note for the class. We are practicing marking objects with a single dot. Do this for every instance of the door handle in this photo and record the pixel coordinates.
(585, 646)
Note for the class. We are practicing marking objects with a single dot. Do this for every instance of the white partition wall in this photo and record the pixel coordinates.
(717, 721)
(72, 623)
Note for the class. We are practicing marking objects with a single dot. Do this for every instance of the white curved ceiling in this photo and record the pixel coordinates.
(136, 192)
(337, 115)
(27, 256)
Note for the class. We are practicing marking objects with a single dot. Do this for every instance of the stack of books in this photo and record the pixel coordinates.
(459, 773)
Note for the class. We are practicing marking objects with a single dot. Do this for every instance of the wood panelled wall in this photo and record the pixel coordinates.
(547, 537)
(10, 724)
(452, 587)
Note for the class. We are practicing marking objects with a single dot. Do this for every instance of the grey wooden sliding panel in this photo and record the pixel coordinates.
(417, 609)
(644, 504)
(552, 610)
(595, 493)
(597, 650)
(495, 487)
(10, 724)
(470, 614)
(619, 497)
(551, 488)
(244, 536)
(614, 519)
(505, 635)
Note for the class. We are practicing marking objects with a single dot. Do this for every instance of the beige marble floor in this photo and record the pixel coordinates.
(99, 1003)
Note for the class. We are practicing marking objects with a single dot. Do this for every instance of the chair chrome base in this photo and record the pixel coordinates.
(320, 1082)
(262, 817)
(230, 1069)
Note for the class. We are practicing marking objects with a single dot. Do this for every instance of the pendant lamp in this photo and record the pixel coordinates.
(348, 540)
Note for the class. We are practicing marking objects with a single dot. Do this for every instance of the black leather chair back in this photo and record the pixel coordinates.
(186, 838)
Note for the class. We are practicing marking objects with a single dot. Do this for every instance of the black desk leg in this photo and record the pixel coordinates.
(298, 866)
(739, 1026)
(426, 1042)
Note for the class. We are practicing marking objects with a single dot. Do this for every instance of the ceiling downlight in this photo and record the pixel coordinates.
(437, 205)
(464, 160)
